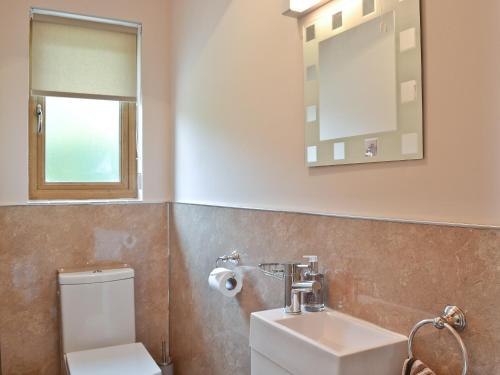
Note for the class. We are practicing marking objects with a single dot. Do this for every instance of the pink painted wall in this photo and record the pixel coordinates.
(14, 89)
(239, 136)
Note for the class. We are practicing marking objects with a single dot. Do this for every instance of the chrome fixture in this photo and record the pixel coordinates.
(371, 147)
(295, 284)
(39, 118)
(233, 258)
(314, 301)
(453, 319)
(166, 365)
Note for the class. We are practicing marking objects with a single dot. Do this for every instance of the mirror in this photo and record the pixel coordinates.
(363, 89)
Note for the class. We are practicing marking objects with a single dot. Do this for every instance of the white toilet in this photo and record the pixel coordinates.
(98, 324)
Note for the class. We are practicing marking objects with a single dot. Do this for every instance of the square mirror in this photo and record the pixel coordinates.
(363, 82)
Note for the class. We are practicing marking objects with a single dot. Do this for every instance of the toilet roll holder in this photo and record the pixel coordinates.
(233, 259)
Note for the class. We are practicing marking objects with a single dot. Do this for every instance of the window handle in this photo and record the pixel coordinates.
(39, 114)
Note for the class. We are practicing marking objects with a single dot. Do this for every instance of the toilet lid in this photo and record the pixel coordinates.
(129, 359)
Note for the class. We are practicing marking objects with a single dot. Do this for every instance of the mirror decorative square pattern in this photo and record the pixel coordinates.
(363, 82)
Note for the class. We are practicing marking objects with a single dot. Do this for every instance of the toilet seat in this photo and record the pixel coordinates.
(129, 359)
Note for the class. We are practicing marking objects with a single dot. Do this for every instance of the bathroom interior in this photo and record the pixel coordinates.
(249, 187)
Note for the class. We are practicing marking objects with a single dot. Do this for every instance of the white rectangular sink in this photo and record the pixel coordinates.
(323, 343)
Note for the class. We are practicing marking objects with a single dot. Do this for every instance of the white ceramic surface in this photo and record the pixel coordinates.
(91, 277)
(97, 309)
(325, 343)
(130, 359)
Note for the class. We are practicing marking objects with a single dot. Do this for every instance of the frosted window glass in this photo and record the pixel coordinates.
(408, 91)
(311, 113)
(339, 151)
(409, 144)
(82, 140)
(312, 154)
(407, 39)
(311, 73)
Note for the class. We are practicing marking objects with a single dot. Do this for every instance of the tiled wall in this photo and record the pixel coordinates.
(389, 273)
(37, 240)
(392, 274)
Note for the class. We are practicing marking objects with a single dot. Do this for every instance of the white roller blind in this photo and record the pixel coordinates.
(82, 58)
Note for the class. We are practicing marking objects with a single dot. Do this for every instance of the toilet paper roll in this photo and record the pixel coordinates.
(228, 282)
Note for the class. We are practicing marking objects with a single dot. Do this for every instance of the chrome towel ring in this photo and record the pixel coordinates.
(453, 319)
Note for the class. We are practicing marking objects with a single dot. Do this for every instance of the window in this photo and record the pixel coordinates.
(83, 84)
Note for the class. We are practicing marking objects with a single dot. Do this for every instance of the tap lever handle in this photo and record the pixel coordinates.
(313, 262)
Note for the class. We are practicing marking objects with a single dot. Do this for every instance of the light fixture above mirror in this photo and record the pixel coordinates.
(299, 8)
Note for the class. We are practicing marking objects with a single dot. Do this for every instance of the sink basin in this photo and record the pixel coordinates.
(323, 343)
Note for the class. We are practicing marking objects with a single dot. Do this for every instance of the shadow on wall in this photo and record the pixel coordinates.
(204, 318)
(391, 274)
(208, 14)
(250, 299)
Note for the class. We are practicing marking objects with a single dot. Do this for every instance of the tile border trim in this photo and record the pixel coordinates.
(340, 216)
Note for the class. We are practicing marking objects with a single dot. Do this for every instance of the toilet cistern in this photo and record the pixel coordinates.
(97, 310)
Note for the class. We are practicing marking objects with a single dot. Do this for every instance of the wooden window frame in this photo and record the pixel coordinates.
(39, 189)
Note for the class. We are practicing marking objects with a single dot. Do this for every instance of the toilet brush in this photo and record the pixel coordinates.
(166, 365)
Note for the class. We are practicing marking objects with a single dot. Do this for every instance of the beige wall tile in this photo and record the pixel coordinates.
(37, 240)
(391, 274)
